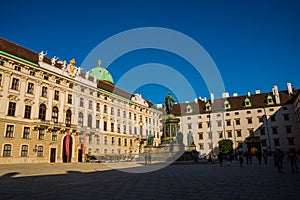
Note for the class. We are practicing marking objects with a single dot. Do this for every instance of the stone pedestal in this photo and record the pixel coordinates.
(170, 129)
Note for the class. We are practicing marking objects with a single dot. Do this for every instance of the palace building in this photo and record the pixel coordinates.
(50, 111)
(254, 122)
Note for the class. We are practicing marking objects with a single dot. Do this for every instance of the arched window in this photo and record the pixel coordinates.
(80, 119)
(55, 114)
(90, 121)
(24, 150)
(7, 150)
(68, 117)
(42, 112)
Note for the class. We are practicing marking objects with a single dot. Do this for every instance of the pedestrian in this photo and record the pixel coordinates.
(195, 158)
(241, 160)
(149, 158)
(292, 157)
(247, 157)
(146, 159)
(278, 160)
(265, 156)
(258, 155)
(220, 157)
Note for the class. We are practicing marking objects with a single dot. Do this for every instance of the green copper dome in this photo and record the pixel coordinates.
(101, 74)
(247, 100)
(269, 97)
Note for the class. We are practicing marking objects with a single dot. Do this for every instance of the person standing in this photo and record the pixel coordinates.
(241, 160)
(265, 156)
(220, 157)
(146, 159)
(149, 158)
(292, 157)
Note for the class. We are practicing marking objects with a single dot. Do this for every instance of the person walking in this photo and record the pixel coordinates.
(292, 157)
(278, 160)
(265, 156)
(258, 155)
(241, 160)
(149, 158)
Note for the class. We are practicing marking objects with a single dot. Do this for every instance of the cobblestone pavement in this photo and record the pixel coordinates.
(188, 181)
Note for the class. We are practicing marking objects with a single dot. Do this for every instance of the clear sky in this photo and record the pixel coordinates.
(255, 44)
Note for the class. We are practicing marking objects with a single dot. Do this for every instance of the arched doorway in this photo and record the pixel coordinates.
(67, 148)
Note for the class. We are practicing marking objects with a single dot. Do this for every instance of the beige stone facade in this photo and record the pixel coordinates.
(51, 113)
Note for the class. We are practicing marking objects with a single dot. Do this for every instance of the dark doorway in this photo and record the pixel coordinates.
(79, 155)
(67, 148)
(52, 154)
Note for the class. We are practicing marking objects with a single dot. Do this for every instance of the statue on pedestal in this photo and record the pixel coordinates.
(169, 100)
(150, 140)
(190, 140)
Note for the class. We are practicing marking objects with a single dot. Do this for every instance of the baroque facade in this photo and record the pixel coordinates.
(53, 112)
(254, 122)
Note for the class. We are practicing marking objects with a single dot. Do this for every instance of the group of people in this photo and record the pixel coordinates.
(278, 157)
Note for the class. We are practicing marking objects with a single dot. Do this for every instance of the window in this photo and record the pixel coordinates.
(119, 141)
(271, 109)
(68, 117)
(248, 112)
(98, 107)
(239, 133)
(42, 112)
(90, 119)
(286, 117)
(141, 118)
(274, 130)
(262, 131)
(2, 63)
(141, 130)
(200, 136)
(44, 91)
(220, 134)
(291, 141)
(69, 99)
(288, 129)
(112, 110)
(91, 92)
(276, 142)
(105, 140)
(125, 142)
(112, 140)
(201, 146)
(11, 109)
(119, 113)
(54, 135)
(90, 139)
(46, 77)
(55, 114)
(260, 119)
(124, 114)
(135, 130)
(7, 150)
(199, 125)
(250, 131)
(82, 89)
(273, 118)
(105, 151)
(189, 125)
(219, 123)
(98, 139)
(41, 134)
(112, 127)
(56, 95)
(24, 150)
(80, 119)
(27, 112)
(236, 113)
(0, 79)
(237, 121)
(124, 129)
(227, 114)
(119, 128)
(134, 117)
(229, 134)
(9, 131)
(130, 130)
(249, 120)
(228, 123)
(105, 109)
(90, 104)
(26, 132)
(208, 124)
(105, 126)
(40, 151)
(30, 88)
(129, 115)
(71, 85)
(130, 142)
(97, 123)
(17, 68)
(32, 73)
(259, 111)
(81, 102)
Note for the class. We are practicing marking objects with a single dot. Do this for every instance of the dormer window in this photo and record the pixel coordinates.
(226, 104)
(247, 102)
(270, 99)
(189, 109)
(207, 106)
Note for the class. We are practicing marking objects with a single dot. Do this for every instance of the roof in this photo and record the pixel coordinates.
(101, 74)
(236, 103)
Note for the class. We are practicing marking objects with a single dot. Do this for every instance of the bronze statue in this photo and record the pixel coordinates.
(168, 103)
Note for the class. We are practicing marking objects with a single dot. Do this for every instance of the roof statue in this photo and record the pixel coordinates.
(71, 69)
(169, 100)
(53, 60)
(41, 56)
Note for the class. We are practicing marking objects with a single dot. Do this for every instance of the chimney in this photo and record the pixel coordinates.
(86, 75)
(225, 95)
(196, 100)
(205, 99)
(212, 97)
(290, 89)
(276, 94)
(235, 94)
(249, 94)
(257, 91)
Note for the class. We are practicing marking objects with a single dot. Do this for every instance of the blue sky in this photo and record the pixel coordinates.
(254, 44)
